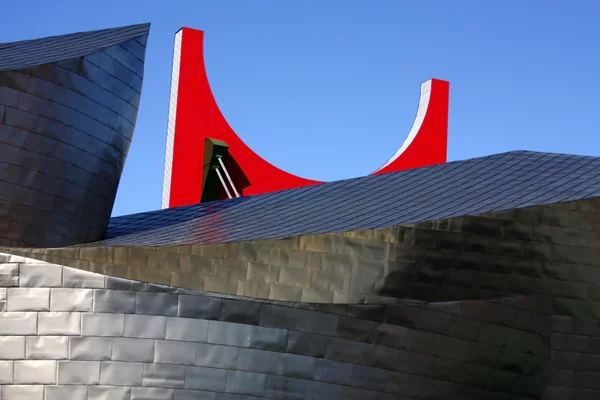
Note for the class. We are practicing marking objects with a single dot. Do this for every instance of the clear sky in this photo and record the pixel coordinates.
(328, 89)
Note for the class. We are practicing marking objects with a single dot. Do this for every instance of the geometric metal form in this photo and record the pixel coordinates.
(70, 334)
(504, 181)
(472, 257)
(194, 116)
(500, 305)
(68, 107)
(474, 279)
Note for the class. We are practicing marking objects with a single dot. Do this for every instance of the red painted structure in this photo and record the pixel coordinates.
(195, 116)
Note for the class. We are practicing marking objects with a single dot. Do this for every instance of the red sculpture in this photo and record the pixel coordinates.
(202, 146)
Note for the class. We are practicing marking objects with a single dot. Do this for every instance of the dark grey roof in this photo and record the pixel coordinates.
(29, 53)
(498, 182)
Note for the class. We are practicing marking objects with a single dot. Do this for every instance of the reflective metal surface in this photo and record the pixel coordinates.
(498, 182)
(487, 256)
(118, 343)
(468, 280)
(498, 305)
(68, 106)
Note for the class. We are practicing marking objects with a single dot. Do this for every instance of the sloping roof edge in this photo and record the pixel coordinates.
(33, 52)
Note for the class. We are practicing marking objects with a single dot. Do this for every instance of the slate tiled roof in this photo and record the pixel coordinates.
(29, 53)
(498, 182)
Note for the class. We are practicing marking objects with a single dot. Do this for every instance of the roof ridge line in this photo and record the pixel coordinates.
(77, 33)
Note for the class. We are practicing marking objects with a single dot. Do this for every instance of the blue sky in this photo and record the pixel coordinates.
(329, 89)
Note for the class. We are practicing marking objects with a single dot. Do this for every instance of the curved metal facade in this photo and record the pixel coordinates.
(496, 306)
(71, 334)
(68, 107)
(469, 280)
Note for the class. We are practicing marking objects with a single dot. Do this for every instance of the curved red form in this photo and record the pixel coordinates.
(427, 141)
(194, 116)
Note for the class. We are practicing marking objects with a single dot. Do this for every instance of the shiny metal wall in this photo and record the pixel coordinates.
(551, 250)
(65, 129)
(71, 334)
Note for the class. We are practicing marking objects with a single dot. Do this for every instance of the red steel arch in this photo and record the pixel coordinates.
(194, 116)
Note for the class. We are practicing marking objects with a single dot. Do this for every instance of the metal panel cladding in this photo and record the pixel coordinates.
(68, 106)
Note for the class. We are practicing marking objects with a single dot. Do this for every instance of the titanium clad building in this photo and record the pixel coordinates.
(474, 279)
(68, 106)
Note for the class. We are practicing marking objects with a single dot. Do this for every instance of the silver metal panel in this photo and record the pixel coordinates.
(40, 275)
(23, 392)
(102, 324)
(28, 299)
(71, 392)
(139, 350)
(145, 326)
(370, 378)
(18, 323)
(405, 384)
(143, 393)
(78, 372)
(307, 344)
(9, 97)
(362, 394)
(268, 338)
(379, 356)
(164, 375)
(90, 348)
(292, 388)
(343, 350)
(6, 372)
(258, 361)
(280, 317)
(217, 356)
(391, 335)
(296, 366)
(114, 301)
(174, 352)
(319, 390)
(333, 372)
(71, 299)
(200, 307)
(109, 393)
(325, 324)
(47, 347)
(9, 274)
(203, 378)
(240, 311)
(228, 333)
(77, 278)
(356, 328)
(157, 304)
(187, 329)
(12, 347)
(181, 394)
(247, 383)
(116, 283)
(59, 323)
(120, 373)
(35, 372)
